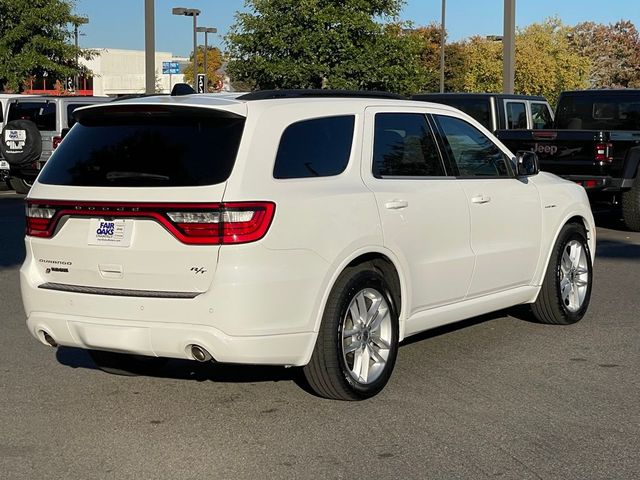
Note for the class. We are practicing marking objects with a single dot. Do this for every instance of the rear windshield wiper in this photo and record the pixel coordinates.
(127, 175)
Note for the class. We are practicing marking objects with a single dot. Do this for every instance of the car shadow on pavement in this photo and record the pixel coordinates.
(190, 370)
(617, 249)
(609, 218)
(12, 226)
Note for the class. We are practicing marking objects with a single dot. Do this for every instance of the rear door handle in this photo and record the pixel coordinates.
(481, 199)
(396, 204)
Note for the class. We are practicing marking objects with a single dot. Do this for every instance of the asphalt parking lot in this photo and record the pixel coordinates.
(492, 397)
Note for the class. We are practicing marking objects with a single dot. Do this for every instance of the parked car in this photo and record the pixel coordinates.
(37, 123)
(279, 228)
(595, 141)
(497, 111)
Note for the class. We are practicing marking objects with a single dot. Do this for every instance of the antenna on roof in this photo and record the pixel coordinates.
(180, 89)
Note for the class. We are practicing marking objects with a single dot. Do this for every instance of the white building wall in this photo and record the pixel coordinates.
(121, 72)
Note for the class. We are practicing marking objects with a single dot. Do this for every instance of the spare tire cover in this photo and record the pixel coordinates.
(21, 142)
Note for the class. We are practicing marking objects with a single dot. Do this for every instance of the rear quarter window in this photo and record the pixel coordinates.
(318, 147)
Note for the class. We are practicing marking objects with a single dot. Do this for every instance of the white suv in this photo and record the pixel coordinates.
(292, 228)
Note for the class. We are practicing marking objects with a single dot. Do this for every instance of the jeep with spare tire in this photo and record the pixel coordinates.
(33, 129)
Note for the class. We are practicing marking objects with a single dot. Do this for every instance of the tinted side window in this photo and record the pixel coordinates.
(43, 114)
(403, 146)
(541, 116)
(320, 147)
(516, 115)
(473, 152)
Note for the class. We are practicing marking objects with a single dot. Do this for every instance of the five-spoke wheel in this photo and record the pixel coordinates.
(358, 339)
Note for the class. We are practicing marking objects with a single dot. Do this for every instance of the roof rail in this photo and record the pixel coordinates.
(300, 93)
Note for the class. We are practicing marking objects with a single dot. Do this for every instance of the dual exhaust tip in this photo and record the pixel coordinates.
(197, 352)
(48, 339)
(200, 354)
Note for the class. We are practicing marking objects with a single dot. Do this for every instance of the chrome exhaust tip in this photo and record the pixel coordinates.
(200, 354)
(49, 339)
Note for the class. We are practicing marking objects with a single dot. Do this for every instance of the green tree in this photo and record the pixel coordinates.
(324, 44)
(214, 62)
(546, 62)
(428, 39)
(614, 52)
(35, 38)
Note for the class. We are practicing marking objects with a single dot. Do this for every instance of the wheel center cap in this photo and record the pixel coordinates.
(365, 336)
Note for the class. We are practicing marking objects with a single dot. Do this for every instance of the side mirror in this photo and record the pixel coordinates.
(527, 163)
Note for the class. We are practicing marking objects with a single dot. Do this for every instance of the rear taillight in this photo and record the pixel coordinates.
(191, 223)
(55, 142)
(39, 220)
(231, 223)
(604, 152)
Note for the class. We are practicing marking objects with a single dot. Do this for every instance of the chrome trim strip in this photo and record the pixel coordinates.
(116, 292)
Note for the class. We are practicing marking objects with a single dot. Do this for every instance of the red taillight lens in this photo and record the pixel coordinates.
(39, 220)
(55, 142)
(191, 223)
(232, 223)
(604, 152)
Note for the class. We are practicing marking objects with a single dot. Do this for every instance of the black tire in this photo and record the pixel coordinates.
(328, 372)
(126, 365)
(25, 148)
(19, 185)
(631, 207)
(550, 307)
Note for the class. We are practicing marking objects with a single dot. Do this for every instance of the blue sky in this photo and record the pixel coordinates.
(120, 23)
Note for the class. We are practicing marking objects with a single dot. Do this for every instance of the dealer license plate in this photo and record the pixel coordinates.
(116, 233)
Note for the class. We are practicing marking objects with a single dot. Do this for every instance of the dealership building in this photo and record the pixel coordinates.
(116, 72)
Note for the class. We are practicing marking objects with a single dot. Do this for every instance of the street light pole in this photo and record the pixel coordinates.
(149, 47)
(508, 46)
(442, 43)
(191, 12)
(206, 32)
(79, 21)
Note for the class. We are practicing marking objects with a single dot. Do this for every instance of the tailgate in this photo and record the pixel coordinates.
(131, 202)
(563, 152)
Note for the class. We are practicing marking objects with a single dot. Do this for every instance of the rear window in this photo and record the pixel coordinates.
(146, 151)
(43, 114)
(319, 147)
(601, 112)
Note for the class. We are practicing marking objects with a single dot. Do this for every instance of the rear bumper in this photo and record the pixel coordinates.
(171, 340)
(262, 309)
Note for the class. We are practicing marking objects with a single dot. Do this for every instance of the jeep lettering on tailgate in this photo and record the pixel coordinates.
(549, 149)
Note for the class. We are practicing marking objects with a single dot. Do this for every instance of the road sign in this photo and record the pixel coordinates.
(170, 68)
(201, 82)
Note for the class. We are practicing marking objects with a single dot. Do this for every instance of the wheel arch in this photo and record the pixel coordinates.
(381, 259)
(580, 218)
